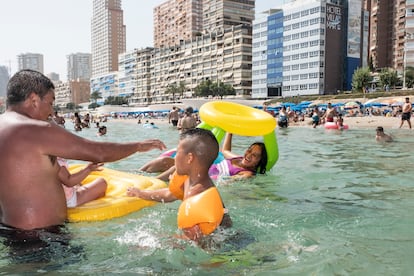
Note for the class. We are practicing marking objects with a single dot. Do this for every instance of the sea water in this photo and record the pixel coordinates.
(336, 203)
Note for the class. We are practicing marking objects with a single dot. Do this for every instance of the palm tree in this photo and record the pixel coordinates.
(172, 89)
(182, 88)
(95, 96)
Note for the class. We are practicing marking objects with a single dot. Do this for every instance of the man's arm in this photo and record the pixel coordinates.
(54, 140)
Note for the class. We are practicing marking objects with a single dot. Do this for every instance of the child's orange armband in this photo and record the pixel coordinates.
(205, 209)
(176, 185)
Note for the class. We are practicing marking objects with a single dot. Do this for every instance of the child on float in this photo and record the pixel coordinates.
(75, 193)
(253, 161)
(202, 209)
(316, 117)
(340, 121)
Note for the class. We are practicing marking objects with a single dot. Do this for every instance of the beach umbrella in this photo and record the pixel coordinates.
(287, 104)
(375, 104)
(391, 101)
(316, 103)
(397, 104)
(352, 104)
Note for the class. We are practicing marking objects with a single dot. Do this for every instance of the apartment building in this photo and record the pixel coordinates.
(145, 74)
(135, 75)
(108, 36)
(224, 56)
(176, 21)
(387, 33)
(321, 42)
(223, 14)
(304, 47)
(4, 79)
(74, 91)
(409, 34)
(106, 85)
(79, 66)
(267, 60)
(31, 61)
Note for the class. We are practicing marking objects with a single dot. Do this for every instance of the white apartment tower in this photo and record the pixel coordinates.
(79, 66)
(303, 48)
(30, 61)
(108, 36)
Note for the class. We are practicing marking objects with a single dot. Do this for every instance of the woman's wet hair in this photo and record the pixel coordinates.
(261, 166)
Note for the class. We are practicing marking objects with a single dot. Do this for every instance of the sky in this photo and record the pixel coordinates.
(57, 28)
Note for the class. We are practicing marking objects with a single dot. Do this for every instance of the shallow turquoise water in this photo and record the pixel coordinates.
(336, 203)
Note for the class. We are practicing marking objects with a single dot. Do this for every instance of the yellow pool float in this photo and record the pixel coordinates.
(115, 203)
(221, 117)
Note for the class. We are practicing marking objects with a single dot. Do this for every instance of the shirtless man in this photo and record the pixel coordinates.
(406, 112)
(188, 121)
(31, 194)
(59, 119)
(330, 113)
(173, 116)
(381, 136)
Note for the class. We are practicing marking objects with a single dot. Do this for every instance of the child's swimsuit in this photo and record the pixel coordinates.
(225, 168)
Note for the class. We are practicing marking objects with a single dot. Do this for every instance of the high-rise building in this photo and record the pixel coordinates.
(176, 21)
(30, 61)
(72, 91)
(409, 34)
(4, 79)
(315, 45)
(267, 71)
(108, 36)
(79, 66)
(53, 76)
(222, 14)
(387, 33)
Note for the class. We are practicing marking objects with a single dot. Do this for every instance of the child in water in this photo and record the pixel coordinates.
(202, 209)
(75, 193)
(340, 122)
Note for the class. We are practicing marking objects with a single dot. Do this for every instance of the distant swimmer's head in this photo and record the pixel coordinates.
(189, 110)
(379, 129)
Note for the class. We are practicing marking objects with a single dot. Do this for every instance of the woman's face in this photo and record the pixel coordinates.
(252, 156)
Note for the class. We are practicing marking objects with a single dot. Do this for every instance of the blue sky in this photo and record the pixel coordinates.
(56, 28)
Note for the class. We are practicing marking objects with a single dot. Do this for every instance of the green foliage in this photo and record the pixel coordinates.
(203, 89)
(70, 106)
(388, 77)
(209, 88)
(175, 89)
(111, 100)
(360, 79)
(409, 76)
(93, 105)
(95, 96)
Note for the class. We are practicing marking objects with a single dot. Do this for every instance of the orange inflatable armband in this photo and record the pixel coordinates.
(205, 209)
(176, 185)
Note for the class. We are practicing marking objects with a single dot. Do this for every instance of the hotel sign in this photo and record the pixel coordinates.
(333, 17)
